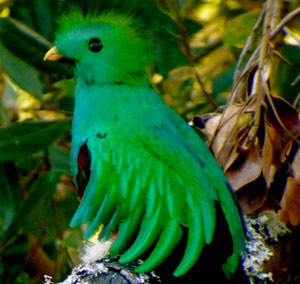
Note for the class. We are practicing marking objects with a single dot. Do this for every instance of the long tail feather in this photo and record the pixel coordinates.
(150, 229)
(195, 240)
(166, 243)
(126, 231)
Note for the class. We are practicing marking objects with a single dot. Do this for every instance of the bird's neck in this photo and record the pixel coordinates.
(97, 104)
(88, 74)
(107, 96)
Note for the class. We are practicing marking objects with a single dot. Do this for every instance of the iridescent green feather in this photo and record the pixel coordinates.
(126, 230)
(149, 231)
(164, 247)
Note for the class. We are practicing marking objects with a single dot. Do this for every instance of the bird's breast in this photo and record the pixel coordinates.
(105, 108)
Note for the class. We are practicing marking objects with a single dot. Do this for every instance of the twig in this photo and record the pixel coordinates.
(258, 58)
(248, 45)
(266, 36)
(270, 100)
(258, 86)
(205, 92)
(253, 60)
(283, 22)
(189, 56)
(296, 101)
(296, 81)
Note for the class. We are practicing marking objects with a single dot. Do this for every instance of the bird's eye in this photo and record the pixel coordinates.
(95, 45)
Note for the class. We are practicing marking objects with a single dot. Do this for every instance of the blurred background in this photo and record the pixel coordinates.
(197, 46)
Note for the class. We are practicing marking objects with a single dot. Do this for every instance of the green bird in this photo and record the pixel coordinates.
(139, 168)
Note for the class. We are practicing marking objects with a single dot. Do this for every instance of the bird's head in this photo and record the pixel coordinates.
(109, 48)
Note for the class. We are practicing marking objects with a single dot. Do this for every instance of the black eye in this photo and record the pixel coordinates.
(95, 45)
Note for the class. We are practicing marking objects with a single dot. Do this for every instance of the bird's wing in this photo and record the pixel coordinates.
(220, 185)
(152, 179)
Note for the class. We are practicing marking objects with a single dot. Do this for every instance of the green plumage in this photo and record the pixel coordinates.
(150, 173)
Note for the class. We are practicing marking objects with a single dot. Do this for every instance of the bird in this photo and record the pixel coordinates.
(141, 171)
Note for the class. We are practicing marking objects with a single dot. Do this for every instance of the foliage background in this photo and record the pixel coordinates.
(197, 49)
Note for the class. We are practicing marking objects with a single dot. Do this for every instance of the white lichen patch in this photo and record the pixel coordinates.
(262, 230)
(83, 273)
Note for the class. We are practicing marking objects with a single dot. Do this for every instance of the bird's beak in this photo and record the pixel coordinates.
(53, 55)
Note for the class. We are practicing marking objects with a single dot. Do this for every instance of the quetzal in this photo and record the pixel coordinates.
(139, 168)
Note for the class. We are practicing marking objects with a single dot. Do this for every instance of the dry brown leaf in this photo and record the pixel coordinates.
(246, 169)
(253, 196)
(220, 129)
(278, 138)
(223, 131)
(222, 145)
(251, 167)
(269, 153)
(290, 202)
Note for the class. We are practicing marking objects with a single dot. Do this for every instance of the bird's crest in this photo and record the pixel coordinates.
(127, 48)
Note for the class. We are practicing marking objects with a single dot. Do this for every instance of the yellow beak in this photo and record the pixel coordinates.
(53, 55)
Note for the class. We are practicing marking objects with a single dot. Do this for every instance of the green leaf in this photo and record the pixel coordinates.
(21, 140)
(239, 28)
(40, 15)
(13, 262)
(169, 7)
(10, 196)
(59, 159)
(223, 82)
(28, 46)
(66, 90)
(288, 74)
(21, 73)
(8, 105)
(192, 26)
(34, 206)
